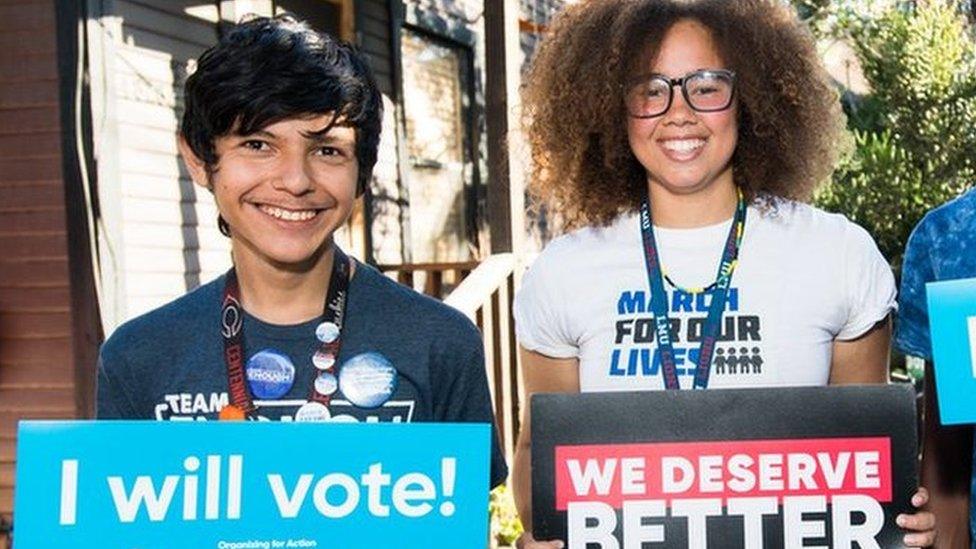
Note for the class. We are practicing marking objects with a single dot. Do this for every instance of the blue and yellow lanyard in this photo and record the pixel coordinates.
(659, 298)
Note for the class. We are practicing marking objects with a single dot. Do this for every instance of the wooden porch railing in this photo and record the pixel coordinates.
(485, 296)
(434, 279)
(483, 291)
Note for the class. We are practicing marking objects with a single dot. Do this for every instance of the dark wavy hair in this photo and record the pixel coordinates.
(265, 70)
(790, 121)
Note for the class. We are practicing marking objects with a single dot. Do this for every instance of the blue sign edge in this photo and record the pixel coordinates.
(34, 428)
(947, 416)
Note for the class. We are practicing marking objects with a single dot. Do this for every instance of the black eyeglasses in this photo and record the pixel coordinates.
(704, 91)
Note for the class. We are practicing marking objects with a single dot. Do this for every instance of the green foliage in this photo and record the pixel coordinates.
(914, 137)
(505, 525)
(835, 18)
(812, 10)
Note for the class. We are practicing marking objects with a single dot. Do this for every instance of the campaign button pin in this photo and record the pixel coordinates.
(323, 360)
(326, 383)
(368, 380)
(313, 411)
(270, 374)
(327, 332)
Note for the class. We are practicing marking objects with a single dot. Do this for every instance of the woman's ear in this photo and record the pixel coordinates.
(196, 166)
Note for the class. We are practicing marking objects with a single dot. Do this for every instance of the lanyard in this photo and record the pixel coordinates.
(659, 298)
(232, 330)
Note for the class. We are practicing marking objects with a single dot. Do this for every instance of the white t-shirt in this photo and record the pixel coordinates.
(804, 278)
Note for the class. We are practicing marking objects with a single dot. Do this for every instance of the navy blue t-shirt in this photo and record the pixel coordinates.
(168, 364)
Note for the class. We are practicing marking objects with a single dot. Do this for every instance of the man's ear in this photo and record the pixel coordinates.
(196, 166)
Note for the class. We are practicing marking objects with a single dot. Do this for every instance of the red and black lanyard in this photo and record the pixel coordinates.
(232, 330)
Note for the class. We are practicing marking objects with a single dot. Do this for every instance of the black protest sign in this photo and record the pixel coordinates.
(736, 468)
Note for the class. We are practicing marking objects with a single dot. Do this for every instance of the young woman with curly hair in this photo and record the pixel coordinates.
(677, 138)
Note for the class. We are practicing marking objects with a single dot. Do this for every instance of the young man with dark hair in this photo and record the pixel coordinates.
(282, 125)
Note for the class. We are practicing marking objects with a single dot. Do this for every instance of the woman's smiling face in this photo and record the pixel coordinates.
(683, 150)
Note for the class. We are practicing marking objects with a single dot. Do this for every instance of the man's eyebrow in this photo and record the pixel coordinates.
(260, 133)
(325, 136)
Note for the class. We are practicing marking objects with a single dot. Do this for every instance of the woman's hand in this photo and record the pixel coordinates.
(921, 524)
(526, 541)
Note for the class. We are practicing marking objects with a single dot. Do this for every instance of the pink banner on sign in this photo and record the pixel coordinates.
(613, 473)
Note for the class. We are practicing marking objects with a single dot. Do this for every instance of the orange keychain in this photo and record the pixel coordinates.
(232, 413)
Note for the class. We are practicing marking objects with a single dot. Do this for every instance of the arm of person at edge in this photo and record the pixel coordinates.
(865, 360)
(947, 451)
(862, 360)
(946, 465)
(541, 374)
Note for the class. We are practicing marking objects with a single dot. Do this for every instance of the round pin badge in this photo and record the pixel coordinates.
(323, 360)
(368, 380)
(312, 411)
(327, 332)
(270, 374)
(326, 383)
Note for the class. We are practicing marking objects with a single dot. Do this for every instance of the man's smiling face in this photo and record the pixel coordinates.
(286, 188)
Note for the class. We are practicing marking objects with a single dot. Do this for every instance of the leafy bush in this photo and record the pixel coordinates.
(914, 136)
(505, 525)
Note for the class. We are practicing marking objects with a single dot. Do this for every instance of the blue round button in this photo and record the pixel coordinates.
(368, 380)
(270, 374)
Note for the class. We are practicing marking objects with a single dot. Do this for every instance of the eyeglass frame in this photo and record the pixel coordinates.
(672, 82)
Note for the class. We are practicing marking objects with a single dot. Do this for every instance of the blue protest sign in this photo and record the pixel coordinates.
(243, 485)
(952, 320)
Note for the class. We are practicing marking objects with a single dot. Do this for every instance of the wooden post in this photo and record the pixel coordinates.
(347, 20)
(506, 196)
(506, 175)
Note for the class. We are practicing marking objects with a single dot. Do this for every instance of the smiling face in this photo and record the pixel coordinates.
(682, 150)
(285, 189)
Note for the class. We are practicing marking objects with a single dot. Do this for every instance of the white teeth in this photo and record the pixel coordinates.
(684, 145)
(287, 215)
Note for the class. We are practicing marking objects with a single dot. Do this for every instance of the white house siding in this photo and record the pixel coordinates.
(159, 235)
